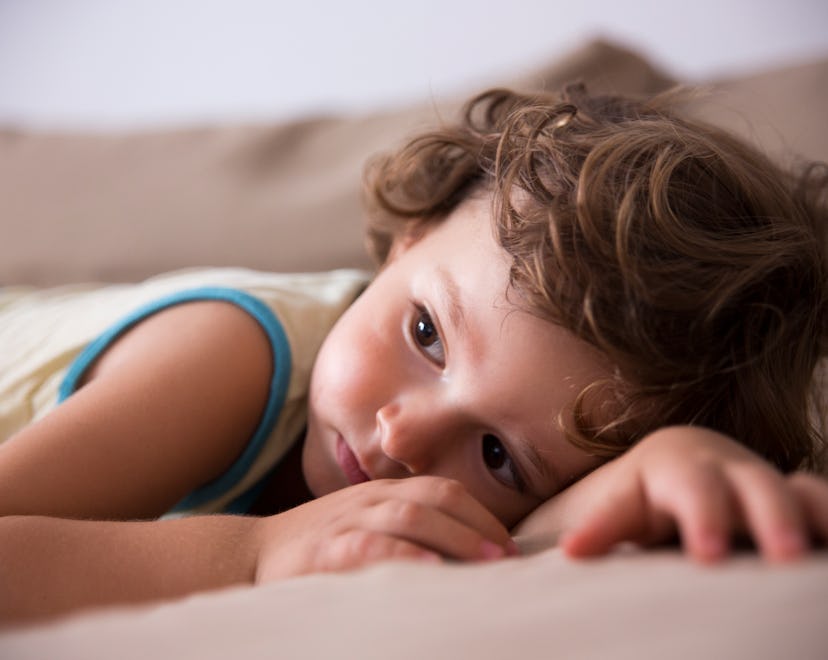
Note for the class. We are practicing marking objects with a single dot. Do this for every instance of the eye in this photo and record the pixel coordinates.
(427, 338)
(498, 460)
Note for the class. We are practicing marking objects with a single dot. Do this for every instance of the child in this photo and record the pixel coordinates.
(561, 281)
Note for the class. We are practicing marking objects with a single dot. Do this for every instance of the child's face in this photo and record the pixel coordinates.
(433, 371)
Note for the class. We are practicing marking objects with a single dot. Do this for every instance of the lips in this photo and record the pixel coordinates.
(348, 462)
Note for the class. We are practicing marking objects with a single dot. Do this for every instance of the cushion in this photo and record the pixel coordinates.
(123, 206)
(630, 605)
(286, 196)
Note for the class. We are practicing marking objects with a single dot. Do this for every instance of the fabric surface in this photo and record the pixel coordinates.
(286, 197)
(782, 110)
(282, 197)
(50, 336)
(629, 606)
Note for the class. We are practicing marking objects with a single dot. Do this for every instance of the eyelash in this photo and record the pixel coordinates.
(423, 318)
(517, 481)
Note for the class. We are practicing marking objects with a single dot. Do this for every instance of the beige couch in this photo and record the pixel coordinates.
(286, 197)
(118, 207)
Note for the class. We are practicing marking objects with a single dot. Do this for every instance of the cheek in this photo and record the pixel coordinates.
(352, 368)
(509, 508)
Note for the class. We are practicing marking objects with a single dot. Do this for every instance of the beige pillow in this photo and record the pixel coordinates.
(782, 110)
(116, 207)
(285, 196)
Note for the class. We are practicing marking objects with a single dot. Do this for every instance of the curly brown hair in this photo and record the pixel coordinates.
(688, 258)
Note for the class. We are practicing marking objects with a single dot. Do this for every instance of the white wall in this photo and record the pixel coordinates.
(113, 63)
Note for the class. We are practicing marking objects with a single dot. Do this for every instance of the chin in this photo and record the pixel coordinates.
(313, 471)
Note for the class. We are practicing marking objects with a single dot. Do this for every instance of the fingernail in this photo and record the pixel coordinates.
(512, 548)
(491, 550)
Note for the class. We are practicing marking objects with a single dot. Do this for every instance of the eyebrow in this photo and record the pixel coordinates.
(455, 307)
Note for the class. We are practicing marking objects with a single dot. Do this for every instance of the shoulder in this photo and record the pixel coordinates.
(171, 402)
(197, 352)
(216, 333)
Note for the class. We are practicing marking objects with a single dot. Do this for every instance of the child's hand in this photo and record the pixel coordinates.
(708, 487)
(703, 485)
(419, 518)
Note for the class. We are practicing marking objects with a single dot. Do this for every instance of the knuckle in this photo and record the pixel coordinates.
(363, 547)
(333, 555)
(347, 550)
(449, 491)
(361, 544)
(405, 512)
(352, 548)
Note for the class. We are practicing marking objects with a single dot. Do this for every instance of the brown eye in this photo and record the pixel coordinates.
(494, 454)
(425, 335)
(424, 331)
(498, 460)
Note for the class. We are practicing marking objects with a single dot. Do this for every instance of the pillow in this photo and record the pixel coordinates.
(781, 110)
(285, 197)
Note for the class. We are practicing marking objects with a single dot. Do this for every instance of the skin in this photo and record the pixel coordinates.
(433, 371)
(417, 404)
(694, 483)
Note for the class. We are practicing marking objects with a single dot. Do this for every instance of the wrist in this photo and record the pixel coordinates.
(263, 541)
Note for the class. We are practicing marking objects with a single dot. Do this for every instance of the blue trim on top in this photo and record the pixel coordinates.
(275, 400)
(246, 500)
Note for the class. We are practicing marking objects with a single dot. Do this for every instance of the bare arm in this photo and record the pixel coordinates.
(49, 566)
(166, 409)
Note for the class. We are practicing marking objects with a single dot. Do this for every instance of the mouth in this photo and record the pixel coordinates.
(348, 463)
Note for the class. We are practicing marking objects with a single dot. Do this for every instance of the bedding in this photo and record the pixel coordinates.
(120, 207)
(631, 605)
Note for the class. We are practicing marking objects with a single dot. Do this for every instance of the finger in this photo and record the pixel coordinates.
(770, 510)
(812, 492)
(697, 497)
(452, 498)
(622, 517)
(433, 529)
(695, 500)
(359, 548)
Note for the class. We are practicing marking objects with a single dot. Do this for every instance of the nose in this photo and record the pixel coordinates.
(413, 435)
